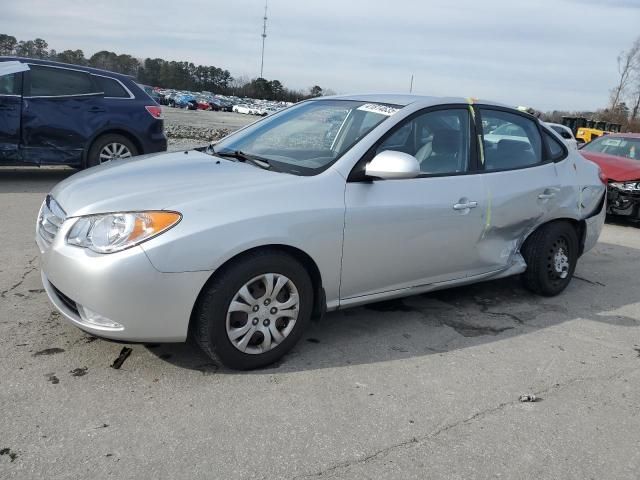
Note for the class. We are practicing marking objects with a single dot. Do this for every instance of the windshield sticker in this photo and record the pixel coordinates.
(377, 108)
(612, 142)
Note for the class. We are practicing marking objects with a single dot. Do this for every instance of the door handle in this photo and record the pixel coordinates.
(546, 196)
(465, 206)
(96, 110)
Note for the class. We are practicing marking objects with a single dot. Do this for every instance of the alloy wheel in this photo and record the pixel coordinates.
(114, 151)
(262, 313)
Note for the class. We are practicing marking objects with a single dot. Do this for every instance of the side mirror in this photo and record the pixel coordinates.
(389, 165)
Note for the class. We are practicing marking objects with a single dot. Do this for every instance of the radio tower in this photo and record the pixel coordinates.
(264, 36)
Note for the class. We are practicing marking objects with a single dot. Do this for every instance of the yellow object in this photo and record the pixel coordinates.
(588, 134)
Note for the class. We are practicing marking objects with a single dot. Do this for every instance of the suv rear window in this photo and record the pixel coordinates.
(111, 88)
(54, 82)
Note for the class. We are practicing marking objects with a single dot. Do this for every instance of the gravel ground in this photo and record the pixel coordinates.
(188, 129)
(427, 387)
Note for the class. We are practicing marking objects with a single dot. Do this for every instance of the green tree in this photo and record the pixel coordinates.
(277, 89)
(8, 44)
(40, 48)
(316, 91)
(26, 49)
(260, 88)
(75, 57)
(104, 59)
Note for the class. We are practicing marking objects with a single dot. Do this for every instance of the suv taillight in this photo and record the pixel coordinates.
(154, 110)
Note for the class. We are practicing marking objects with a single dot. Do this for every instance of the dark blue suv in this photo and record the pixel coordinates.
(60, 114)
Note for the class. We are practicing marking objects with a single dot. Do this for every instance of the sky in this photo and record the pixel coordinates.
(547, 54)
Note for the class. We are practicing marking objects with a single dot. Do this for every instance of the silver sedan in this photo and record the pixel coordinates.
(332, 203)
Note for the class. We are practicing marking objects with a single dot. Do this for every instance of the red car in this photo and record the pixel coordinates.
(202, 104)
(618, 156)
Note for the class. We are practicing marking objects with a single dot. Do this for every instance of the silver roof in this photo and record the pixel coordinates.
(407, 99)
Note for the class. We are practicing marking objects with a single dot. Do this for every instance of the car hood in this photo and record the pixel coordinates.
(619, 169)
(157, 182)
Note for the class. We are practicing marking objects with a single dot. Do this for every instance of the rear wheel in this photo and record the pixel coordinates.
(254, 311)
(110, 147)
(551, 254)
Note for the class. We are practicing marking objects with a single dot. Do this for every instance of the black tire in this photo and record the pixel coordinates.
(208, 327)
(93, 157)
(539, 252)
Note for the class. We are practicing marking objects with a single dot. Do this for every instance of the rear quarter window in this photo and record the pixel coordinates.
(555, 148)
(111, 87)
(54, 82)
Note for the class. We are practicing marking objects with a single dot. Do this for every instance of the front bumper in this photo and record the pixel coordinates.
(148, 305)
(625, 203)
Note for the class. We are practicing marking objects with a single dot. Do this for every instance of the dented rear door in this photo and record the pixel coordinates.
(521, 187)
(516, 202)
(61, 110)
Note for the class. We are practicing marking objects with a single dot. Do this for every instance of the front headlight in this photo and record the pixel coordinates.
(112, 232)
(626, 186)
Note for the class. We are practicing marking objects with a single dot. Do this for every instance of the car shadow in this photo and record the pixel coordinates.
(622, 221)
(32, 179)
(447, 320)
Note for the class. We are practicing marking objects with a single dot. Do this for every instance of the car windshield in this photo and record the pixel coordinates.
(619, 146)
(307, 138)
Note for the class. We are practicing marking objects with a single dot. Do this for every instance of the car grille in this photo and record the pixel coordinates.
(50, 220)
(70, 304)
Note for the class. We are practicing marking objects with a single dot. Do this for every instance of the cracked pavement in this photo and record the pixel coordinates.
(423, 387)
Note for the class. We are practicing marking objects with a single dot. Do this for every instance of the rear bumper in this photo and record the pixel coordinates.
(147, 305)
(155, 143)
(594, 228)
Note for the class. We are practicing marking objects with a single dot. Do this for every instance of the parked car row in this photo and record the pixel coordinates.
(209, 101)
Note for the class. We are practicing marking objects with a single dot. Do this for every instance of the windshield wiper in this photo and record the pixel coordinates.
(240, 156)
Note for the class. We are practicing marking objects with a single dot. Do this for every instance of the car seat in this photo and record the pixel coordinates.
(443, 157)
(509, 154)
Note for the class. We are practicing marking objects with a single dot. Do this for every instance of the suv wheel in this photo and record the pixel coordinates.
(110, 147)
(551, 253)
(254, 311)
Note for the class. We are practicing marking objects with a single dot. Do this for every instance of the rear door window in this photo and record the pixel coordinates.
(111, 87)
(510, 141)
(55, 82)
(11, 84)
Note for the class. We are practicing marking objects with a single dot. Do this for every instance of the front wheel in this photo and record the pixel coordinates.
(551, 254)
(254, 311)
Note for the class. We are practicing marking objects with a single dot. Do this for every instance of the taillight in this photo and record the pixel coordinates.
(154, 110)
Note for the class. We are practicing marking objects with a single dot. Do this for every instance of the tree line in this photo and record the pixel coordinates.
(158, 72)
